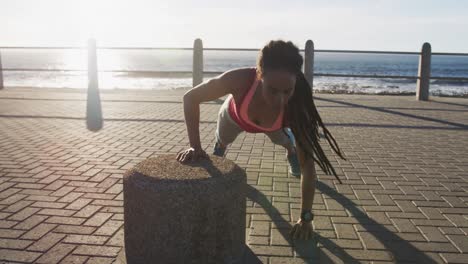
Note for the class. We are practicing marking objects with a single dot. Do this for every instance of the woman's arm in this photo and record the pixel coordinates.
(308, 180)
(303, 229)
(207, 91)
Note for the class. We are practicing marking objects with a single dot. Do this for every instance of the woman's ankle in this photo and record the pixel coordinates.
(290, 150)
(220, 145)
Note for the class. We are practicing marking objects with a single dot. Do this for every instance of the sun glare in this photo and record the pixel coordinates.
(92, 18)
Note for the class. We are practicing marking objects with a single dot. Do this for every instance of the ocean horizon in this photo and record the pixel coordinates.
(219, 61)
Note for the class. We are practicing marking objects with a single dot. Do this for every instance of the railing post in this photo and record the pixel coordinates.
(197, 62)
(1, 72)
(92, 65)
(424, 73)
(93, 103)
(309, 62)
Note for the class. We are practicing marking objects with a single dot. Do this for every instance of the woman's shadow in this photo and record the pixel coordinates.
(309, 250)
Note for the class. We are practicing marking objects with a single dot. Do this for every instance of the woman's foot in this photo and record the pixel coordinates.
(219, 150)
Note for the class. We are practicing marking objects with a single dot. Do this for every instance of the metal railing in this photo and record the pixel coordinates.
(422, 87)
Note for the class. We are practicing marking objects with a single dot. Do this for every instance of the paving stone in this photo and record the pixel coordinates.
(100, 260)
(460, 241)
(18, 255)
(38, 231)
(61, 186)
(10, 233)
(285, 251)
(85, 239)
(454, 258)
(262, 241)
(87, 211)
(103, 251)
(109, 228)
(56, 254)
(31, 222)
(345, 231)
(70, 229)
(432, 234)
(46, 242)
(14, 243)
(74, 259)
(98, 219)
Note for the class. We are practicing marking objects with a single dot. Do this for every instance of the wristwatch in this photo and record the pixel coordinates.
(307, 215)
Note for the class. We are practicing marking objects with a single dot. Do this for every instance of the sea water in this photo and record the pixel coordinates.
(219, 61)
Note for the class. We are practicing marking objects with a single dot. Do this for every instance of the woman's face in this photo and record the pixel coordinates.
(278, 87)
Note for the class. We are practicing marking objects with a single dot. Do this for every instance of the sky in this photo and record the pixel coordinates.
(391, 25)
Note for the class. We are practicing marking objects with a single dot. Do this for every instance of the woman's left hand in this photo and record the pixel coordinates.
(302, 230)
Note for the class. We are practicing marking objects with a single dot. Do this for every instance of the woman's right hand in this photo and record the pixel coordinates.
(191, 154)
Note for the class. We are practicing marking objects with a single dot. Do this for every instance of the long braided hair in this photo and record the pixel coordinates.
(304, 119)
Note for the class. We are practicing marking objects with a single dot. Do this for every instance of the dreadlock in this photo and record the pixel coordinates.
(304, 119)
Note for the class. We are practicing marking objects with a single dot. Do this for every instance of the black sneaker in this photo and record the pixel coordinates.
(294, 166)
(218, 151)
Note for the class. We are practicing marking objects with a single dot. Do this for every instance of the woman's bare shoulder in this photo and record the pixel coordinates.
(237, 79)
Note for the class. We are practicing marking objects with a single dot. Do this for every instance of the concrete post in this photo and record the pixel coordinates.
(197, 62)
(176, 213)
(424, 73)
(92, 65)
(1, 72)
(93, 103)
(309, 62)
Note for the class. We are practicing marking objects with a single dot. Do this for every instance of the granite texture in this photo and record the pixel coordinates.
(184, 213)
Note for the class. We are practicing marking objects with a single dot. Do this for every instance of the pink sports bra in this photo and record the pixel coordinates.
(238, 112)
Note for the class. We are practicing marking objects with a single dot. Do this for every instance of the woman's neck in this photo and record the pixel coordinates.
(260, 101)
(258, 98)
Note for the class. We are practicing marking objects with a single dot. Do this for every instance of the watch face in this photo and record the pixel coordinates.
(307, 216)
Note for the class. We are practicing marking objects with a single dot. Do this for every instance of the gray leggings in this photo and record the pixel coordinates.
(227, 129)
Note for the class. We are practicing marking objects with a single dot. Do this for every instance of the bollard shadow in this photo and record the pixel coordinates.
(449, 103)
(388, 111)
(248, 256)
(401, 250)
(307, 250)
(394, 126)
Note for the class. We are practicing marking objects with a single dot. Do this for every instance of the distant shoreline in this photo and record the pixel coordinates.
(114, 90)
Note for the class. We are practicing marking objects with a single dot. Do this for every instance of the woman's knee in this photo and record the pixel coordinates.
(224, 140)
(281, 138)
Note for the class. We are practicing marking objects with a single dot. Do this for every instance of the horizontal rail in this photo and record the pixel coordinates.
(84, 47)
(449, 78)
(449, 54)
(118, 71)
(41, 48)
(132, 48)
(211, 49)
(220, 72)
(235, 49)
(366, 76)
(369, 51)
(43, 70)
(391, 52)
(154, 73)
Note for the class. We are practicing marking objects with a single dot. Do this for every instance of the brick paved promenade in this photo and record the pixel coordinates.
(404, 197)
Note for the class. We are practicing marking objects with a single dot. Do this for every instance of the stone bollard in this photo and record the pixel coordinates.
(424, 73)
(184, 213)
